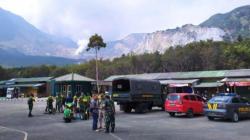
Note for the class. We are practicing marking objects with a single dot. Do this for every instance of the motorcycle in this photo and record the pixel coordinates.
(68, 114)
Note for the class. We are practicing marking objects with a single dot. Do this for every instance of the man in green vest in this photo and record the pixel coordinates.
(30, 104)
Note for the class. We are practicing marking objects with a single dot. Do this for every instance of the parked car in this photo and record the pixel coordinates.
(187, 103)
(227, 106)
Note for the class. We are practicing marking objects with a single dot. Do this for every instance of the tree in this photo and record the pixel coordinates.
(239, 38)
(96, 43)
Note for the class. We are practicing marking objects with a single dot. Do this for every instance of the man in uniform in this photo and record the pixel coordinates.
(87, 98)
(109, 114)
(30, 104)
(50, 101)
(59, 103)
(63, 101)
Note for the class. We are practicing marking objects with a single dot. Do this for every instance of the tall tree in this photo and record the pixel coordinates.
(96, 42)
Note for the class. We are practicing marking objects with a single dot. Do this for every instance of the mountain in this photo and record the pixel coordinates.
(218, 27)
(13, 58)
(18, 34)
(234, 23)
(161, 40)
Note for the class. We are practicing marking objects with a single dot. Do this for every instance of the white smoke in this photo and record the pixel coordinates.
(82, 46)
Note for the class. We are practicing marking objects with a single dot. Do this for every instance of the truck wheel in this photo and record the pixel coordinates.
(140, 108)
(127, 109)
(235, 117)
(210, 118)
(190, 113)
(149, 107)
(172, 114)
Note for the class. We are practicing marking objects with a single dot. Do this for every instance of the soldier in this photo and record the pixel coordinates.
(59, 103)
(50, 101)
(83, 108)
(30, 104)
(87, 98)
(75, 105)
(63, 101)
(109, 114)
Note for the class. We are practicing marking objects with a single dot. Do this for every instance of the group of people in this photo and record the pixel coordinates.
(103, 108)
(100, 106)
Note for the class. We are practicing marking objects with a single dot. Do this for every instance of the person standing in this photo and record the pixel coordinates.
(101, 110)
(30, 104)
(94, 111)
(59, 103)
(63, 102)
(109, 114)
(50, 101)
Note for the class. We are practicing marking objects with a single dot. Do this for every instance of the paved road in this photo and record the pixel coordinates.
(15, 125)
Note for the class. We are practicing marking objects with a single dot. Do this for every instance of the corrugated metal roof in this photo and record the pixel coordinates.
(189, 75)
(22, 85)
(191, 81)
(208, 85)
(28, 80)
(2, 82)
(73, 77)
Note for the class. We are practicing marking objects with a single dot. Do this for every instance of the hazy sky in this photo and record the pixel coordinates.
(114, 19)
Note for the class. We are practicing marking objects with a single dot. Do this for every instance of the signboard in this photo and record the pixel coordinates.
(238, 84)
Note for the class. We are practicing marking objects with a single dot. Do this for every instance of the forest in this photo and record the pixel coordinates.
(196, 56)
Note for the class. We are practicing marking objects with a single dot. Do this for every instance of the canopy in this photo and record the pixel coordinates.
(208, 85)
(178, 83)
(237, 81)
(22, 85)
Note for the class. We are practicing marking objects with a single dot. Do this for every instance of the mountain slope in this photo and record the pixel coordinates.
(13, 58)
(16, 33)
(236, 22)
(161, 40)
(218, 27)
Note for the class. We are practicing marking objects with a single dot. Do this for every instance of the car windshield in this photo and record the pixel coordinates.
(173, 97)
(220, 99)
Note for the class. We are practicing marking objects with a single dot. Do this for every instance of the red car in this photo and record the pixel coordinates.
(187, 103)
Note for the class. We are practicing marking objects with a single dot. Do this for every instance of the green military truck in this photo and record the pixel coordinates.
(138, 94)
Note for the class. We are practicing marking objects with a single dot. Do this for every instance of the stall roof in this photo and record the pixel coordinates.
(208, 85)
(22, 85)
(235, 80)
(73, 77)
(2, 82)
(29, 80)
(188, 75)
(190, 81)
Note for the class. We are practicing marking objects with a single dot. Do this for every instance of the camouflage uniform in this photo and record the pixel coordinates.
(109, 115)
(83, 107)
(50, 101)
(59, 103)
(87, 98)
(30, 104)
